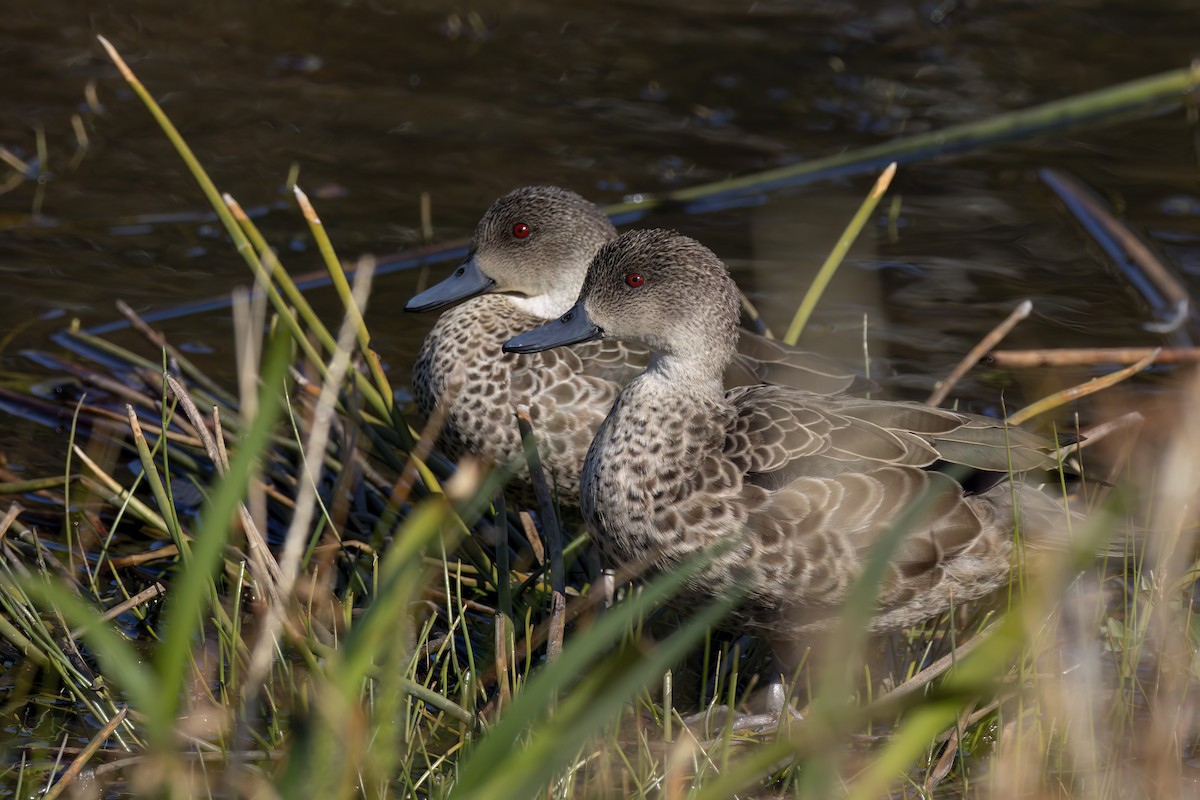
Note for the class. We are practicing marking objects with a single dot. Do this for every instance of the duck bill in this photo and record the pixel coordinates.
(466, 281)
(572, 327)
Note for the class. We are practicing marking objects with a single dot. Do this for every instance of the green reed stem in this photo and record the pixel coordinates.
(1138, 98)
(241, 243)
(835, 257)
(345, 293)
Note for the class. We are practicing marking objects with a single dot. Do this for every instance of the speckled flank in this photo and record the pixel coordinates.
(537, 278)
(799, 485)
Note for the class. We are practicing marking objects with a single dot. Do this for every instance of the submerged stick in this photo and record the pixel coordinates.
(1145, 271)
(504, 606)
(972, 358)
(541, 490)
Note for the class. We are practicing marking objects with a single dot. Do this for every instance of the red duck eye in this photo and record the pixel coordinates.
(634, 280)
(520, 230)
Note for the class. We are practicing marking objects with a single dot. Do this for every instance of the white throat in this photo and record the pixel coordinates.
(545, 306)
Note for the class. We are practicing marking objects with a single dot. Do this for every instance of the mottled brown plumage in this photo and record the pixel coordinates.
(528, 260)
(797, 485)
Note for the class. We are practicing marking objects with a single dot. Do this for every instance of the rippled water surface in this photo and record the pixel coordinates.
(375, 103)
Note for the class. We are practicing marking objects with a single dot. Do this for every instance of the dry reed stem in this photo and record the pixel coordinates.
(249, 317)
(760, 324)
(106, 483)
(1097, 433)
(533, 537)
(976, 715)
(76, 766)
(581, 604)
(298, 531)
(501, 645)
(159, 340)
(198, 422)
(1167, 735)
(941, 767)
(138, 559)
(10, 516)
(426, 441)
(260, 552)
(200, 757)
(11, 158)
(1088, 356)
(144, 596)
(937, 668)
(943, 389)
(110, 385)
(426, 218)
(178, 437)
(287, 285)
(1082, 390)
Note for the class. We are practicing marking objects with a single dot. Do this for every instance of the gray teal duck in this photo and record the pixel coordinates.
(526, 264)
(798, 486)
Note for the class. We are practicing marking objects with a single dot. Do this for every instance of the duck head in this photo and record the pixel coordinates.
(534, 245)
(655, 287)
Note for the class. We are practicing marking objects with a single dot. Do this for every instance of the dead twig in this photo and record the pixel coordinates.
(266, 566)
(1082, 390)
(1097, 432)
(972, 358)
(942, 768)
(925, 677)
(144, 596)
(1087, 356)
(77, 765)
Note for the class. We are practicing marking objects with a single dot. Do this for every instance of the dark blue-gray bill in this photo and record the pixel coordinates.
(572, 327)
(466, 281)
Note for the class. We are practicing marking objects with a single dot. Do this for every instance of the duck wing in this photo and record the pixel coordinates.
(970, 440)
(825, 478)
(781, 434)
(758, 360)
(762, 360)
(823, 529)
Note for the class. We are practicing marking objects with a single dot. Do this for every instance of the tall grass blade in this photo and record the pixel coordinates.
(837, 254)
(187, 603)
(491, 766)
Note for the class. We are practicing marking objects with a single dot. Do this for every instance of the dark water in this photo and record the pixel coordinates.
(377, 102)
